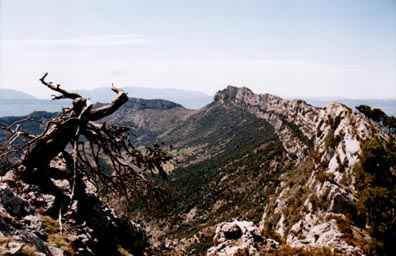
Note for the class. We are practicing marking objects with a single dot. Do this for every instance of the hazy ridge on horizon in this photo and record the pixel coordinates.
(14, 103)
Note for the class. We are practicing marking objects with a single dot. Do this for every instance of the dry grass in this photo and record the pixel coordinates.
(54, 237)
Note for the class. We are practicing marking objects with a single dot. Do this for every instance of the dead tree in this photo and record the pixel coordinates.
(74, 121)
(94, 151)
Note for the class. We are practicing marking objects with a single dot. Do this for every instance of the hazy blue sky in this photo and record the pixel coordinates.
(289, 48)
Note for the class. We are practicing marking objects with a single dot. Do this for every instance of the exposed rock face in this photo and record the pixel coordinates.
(26, 228)
(337, 142)
(326, 143)
(239, 238)
(293, 120)
(306, 193)
(13, 204)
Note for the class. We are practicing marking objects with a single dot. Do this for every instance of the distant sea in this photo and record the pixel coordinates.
(19, 107)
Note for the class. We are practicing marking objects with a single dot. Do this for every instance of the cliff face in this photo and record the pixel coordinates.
(315, 202)
(294, 121)
(28, 225)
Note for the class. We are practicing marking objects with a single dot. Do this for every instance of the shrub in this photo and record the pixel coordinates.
(54, 237)
(375, 114)
(378, 115)
(325, 176)
(375, 179)
(286, 250)
(299, 134)
(332, 141)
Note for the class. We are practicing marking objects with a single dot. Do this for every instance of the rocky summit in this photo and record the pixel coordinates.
(250, 174)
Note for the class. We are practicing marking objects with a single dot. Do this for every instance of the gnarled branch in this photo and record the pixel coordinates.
(57, 88)
(102, 153)
(109, 109)
(16, 133)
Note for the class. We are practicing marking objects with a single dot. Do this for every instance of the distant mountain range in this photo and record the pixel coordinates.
(16, 103)
(189, 99)
(14, 94)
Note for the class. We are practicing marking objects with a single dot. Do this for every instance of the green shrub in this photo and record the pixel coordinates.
(376, 179)
(286, 250)
(299, 134)
(331, 140)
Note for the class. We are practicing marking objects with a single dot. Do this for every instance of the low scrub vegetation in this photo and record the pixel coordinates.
(376, 176)
(286, 250)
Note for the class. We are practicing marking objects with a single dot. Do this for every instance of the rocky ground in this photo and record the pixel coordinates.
(28, 227)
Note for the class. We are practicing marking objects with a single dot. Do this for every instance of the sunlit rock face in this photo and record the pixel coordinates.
(239, 238)
(28, 227)
(293, 120)
(326, 145)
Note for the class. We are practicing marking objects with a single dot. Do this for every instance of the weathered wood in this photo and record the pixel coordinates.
(63, 130)
(103, 156)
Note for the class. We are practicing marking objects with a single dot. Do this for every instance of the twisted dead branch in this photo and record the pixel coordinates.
(96, 153)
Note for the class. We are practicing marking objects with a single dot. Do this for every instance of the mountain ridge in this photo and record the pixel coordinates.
(302, 175)
(338, 136)
(189, 99)
(316, 202)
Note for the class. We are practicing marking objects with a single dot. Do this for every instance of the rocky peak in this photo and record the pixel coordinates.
(232, 93)
(326, 146)
(293, 120)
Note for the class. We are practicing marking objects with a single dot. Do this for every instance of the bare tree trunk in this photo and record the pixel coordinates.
(65, 128)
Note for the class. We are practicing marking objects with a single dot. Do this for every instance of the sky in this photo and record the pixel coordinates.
(309, 48)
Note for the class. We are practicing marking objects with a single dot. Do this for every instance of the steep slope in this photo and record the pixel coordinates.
(298, 171)
(228, 162)
(294, 121)
(318, 198)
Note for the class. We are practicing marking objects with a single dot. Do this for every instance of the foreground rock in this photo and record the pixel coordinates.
(27, 228)
(239, 238)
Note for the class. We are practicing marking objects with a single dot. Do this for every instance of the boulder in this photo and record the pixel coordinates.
(88, 227)
(13, 204)
(239, 238)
